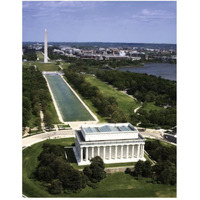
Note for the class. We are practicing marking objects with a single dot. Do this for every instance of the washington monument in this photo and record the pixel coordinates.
(45, 47)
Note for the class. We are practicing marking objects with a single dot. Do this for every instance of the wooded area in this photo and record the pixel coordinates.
(36, 97)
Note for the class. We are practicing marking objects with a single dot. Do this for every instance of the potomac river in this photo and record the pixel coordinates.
(165, 70)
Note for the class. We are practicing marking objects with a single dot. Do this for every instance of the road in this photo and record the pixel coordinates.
(156, 134)
(30, 140)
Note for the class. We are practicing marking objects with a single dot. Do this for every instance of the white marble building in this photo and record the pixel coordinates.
(114, 143)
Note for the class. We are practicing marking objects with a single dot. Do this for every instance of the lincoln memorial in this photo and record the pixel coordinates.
(114, 143)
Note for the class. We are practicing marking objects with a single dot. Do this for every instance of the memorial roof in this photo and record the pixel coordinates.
(109, 128)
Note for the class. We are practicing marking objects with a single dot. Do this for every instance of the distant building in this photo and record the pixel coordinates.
(114, 143)
(122, 53)
(58, 51)
(115, 57)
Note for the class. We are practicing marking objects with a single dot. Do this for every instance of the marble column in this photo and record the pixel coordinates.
(132, 154)
(122, 151)
(110, 153)
(127, 150)
(86, 154)
(81, 154)
(142, 151)
(138, 151)
(98, 151)
(104, 152)
(116, 152)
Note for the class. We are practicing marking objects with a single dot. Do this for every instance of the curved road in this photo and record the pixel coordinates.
(30, 140)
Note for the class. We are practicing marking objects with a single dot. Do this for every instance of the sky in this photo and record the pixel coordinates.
(100, 21)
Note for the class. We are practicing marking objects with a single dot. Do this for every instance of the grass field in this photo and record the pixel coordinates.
(114, 185)
(54, 114)
(125, 103)
(64, 65)
(47, 66)
(43, 66)
(40, 56)
(151, 106)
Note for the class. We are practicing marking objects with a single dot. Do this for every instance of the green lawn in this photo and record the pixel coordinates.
(151, 106)
(64, 65)
(114, 185)
(47, 66)
(52, 110)
(125, 103)
(43, 66)
(40, 56)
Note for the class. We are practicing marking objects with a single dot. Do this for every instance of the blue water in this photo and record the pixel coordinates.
(165, 70)
(69, 105)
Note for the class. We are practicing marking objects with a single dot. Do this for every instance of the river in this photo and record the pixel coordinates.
(165, 70)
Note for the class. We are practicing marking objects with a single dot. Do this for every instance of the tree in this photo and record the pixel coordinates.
(48, 118)
(44, 173)
(95, 172)
(138, 168)
(147, 169)
(143, 169)
(165, 173)
(56, 187)
(88, 172)
(71, 178)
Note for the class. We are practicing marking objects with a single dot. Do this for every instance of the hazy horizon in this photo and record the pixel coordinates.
(98, 42)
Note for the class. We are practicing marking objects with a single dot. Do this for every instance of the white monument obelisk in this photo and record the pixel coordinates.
(45, 47)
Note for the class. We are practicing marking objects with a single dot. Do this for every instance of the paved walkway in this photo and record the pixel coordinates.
(137, 109)
(42, 118)
(30, 140)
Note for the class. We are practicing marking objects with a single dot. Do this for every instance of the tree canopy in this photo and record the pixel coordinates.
(57, 172)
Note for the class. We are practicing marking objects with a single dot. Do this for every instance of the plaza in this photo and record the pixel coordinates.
(114, 143)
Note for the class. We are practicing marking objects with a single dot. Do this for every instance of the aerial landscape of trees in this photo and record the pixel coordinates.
(58, 176)
(36, 97)
(29, 54)
(164, 171)
(146, 88)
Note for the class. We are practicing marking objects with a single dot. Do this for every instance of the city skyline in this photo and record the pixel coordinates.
(102, 21)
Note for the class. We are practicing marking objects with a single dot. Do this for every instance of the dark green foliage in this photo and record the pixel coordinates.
(146, 88)
(54, 169)
(44, 173)
(56, 187)
(165, 173)
(160, 153)
(127, 171)
(163, 117)
(95, 172)
(88, 172)
(29, 54)
(165, 169)
(143, 169)
(35, 97)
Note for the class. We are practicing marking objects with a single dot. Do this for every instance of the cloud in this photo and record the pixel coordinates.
(150, 15)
